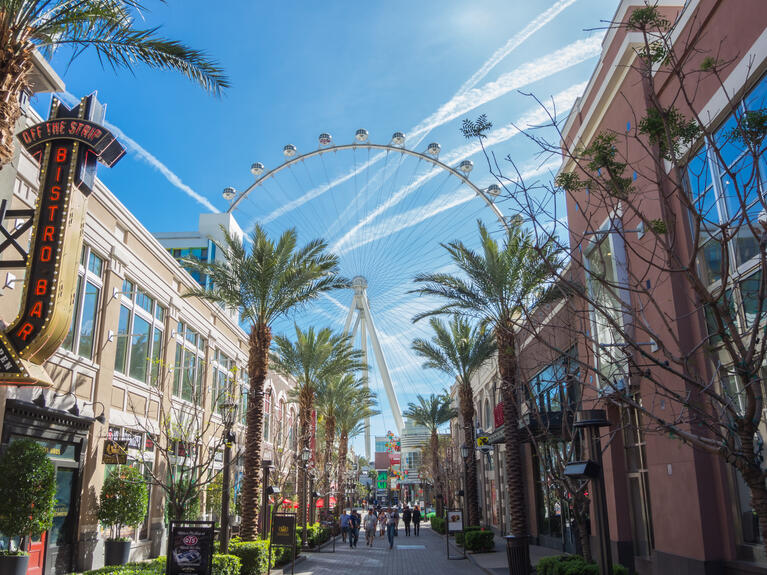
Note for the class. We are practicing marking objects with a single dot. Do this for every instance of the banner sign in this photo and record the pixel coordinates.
(115, 452)
(67, 148)
(283, 535)
(454, 520)
(190, 548)
(283, 529)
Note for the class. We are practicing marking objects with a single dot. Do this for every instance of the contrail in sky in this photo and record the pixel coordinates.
(513, 43)
(528, 73)
(563, 101)
(415, 216)
(149, 158)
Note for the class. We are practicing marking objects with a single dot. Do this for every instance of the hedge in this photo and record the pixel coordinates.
(459, 534)
(315, 534)
(480, 541)
(430, 516)
(572, 565)
(439, 525)
(222, 565)
(254, 555)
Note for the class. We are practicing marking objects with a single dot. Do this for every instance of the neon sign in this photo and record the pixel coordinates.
(67, 148)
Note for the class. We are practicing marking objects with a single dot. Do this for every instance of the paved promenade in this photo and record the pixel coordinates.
(412, 555)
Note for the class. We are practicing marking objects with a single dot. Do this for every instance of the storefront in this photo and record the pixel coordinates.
(64, 436)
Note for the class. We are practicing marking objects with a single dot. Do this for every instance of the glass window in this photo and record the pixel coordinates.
(82, 330)
(189, 366)
(95, 264)
(88, 320)
(749, 294)
(267, 415)
(121, 354)
(139, 337)
(604, 288)
(726, 184)
(143, 300)
(139, 352)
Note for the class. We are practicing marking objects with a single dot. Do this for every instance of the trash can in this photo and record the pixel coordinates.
(518, 554)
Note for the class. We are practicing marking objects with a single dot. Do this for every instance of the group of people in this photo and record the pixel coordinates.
(385, 519)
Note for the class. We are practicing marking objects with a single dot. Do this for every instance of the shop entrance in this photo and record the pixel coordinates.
(64, 437)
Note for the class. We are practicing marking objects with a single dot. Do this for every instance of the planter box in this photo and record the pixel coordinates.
(14, 564)
(116, 552)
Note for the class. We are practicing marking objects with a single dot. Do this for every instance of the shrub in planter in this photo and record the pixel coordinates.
(226, 564)
(572, 565)
(123, 501)
(459, 535)
(439, 525)
(27, 498)
(479, 540)
(222, 565)
(254, 555)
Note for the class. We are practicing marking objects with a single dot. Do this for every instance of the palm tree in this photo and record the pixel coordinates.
(459, 350)
(106, 26)
(265, 284)
(498, 285)
(432, 413)
(331, 395)
(350, 419)
(314, 358)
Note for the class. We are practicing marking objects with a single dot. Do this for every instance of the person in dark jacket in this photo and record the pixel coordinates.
(416, 521)
(407, 515)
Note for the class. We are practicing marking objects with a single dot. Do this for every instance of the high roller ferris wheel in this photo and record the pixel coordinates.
(359, 321)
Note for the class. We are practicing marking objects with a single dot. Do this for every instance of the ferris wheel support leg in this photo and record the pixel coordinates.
(393, 403)
(349, 316)
(364, 348)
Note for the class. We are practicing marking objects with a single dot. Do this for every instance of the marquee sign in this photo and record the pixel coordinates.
(67, 148)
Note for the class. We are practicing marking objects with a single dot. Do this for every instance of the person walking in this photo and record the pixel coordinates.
(407, 515)
(354, 528)
(370, 527)
(416, 521)
(391, 523)
(382, 522)
(344, 525)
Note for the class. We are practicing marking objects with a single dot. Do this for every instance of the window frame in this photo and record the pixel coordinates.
(84, 277)
(128, 300)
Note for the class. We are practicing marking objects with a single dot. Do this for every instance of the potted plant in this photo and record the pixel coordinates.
(123, 501)
(27, 500)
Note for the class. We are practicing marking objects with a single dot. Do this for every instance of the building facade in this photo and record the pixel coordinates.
(671, 507)
(138, 354)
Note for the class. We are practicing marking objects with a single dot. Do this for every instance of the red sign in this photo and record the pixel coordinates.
(498, 415)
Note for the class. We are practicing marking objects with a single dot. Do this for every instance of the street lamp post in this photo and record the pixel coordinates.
(266, 467)
(311, 498)
(590, 421)
(226, 476)
(305, 456)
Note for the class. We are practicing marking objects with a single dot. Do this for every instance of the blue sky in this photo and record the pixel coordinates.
(302, 68)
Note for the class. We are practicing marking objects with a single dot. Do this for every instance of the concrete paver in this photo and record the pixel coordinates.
(412, 555)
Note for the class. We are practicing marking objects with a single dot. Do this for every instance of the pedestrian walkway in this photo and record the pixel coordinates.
(412, 555)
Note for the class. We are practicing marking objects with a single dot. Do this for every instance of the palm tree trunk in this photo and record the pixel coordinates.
(15, 63)
(509, 372)
(305, 399)
(330, 427)
(435, 471)
(258, 364)
(470, 489)
(343, 447)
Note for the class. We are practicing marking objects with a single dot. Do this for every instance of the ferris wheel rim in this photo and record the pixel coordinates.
(371, 146)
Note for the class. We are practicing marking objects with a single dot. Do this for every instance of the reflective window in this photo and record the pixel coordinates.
(139, 338)
(82, 330)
